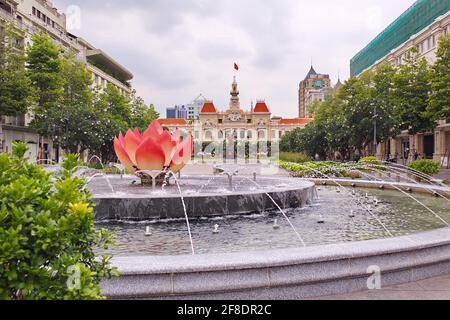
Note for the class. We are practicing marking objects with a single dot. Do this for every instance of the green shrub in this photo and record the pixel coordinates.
(352, 174)
(315, 169)
(296, 157)
(425, 166)
(370, 160)
(47, 233)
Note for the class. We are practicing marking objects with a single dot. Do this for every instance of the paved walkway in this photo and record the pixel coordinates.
(443, 175)
(430, 289)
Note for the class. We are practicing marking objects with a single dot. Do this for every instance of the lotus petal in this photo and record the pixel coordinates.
(122, 155)
(150, 156)
(131, 142)
(182, 156)
(167, 145)
(138, 134)
(176, 136)
(154, 130)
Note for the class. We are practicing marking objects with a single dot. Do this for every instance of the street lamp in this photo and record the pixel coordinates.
(375, 115)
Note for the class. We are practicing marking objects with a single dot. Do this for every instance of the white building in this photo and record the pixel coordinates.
(420, 26)
(35, 16)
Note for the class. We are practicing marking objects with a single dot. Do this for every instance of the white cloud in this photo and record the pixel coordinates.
(180, 48)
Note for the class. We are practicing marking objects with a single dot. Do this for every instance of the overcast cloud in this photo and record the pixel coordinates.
(178, 49)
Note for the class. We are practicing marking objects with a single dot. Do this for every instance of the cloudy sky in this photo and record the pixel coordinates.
(178, 49)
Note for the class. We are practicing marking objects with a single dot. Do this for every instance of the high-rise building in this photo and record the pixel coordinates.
(420, 26)
(35, 16)
(314, 87)
(177, 112)
(195, 106)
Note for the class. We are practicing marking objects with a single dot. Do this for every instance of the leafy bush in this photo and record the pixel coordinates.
(352, 174)
(315, 169)
(426, 166)
(47, 233)
(370, 160)
(296, 157)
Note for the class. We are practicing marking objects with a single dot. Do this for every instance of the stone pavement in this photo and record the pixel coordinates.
(443, 175)
(437, 288)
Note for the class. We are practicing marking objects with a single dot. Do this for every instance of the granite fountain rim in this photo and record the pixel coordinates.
(301, 184)
(147, 264)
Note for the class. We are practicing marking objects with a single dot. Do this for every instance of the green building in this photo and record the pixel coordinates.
(421, 14)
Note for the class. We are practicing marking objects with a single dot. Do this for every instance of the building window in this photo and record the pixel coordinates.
(274, 134)
(208, 135)
(261, 134)
(249, 134)
(34, 11)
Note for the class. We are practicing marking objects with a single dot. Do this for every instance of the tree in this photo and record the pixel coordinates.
(47, 233)
(141, 114)
(439, 101)
(16, 89)
(76, 117)
(70, 120)
(113, 114)
(45, 65)
(411, 87)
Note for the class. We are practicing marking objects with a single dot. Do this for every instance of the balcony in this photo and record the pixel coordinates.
(18, 121)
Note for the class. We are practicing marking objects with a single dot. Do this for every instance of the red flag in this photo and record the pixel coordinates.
(236, 67)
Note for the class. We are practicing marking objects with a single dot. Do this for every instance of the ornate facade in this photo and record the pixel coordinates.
(235, 123)
(315, 87)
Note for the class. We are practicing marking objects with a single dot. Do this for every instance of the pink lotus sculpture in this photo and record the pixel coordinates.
(155, 149)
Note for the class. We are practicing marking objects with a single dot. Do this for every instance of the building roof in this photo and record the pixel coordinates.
(311, 73)
(208, 107)
(172, 122)
(421, 14)
(97, 56)
(296, 121)
(261, 107)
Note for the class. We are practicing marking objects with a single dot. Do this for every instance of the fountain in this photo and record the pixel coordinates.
(217, 234)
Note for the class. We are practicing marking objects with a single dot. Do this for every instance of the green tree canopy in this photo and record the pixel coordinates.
(411, 87)
(439, 102)
(45, 65)
(16, 89)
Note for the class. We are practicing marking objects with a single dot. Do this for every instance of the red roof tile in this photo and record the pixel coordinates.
(172, 122)
(208, 107)
(261, 107)
(296, 121)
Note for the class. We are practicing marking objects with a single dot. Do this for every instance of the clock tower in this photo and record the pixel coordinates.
(235, 105)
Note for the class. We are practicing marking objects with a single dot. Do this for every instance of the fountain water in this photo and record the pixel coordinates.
(151, 173)
(353, 197)
(282, 212)
(98, 160)
(412, 197)
(121, 169)
(185, 211)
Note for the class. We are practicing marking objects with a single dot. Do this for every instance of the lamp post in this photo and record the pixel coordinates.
(375, 144)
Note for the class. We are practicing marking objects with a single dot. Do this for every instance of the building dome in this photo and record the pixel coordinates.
(261, 107)
(208, 107)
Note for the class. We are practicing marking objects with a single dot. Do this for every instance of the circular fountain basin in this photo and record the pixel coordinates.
(341, 255)
(118, 199)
